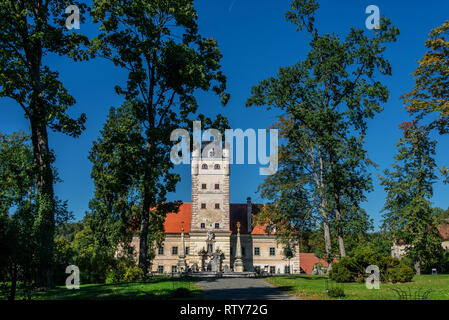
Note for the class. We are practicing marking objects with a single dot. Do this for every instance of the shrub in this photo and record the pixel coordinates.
(352, 269)
(340, 271)
(401, 273)
(336, 292)
(124, 271)
(133, 273)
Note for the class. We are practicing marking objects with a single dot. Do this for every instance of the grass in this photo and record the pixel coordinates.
(313, 287)
(157, 288)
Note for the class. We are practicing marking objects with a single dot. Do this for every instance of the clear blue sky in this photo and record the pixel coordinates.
(255, 41)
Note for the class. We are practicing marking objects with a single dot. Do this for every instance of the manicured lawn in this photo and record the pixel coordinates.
(313, 287)
(155, 289)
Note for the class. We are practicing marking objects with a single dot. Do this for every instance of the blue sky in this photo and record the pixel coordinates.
(255, 41)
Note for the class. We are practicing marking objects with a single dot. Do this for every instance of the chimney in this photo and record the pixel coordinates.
(248, 214)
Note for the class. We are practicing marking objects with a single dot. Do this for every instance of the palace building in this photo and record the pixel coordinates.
(211, 234)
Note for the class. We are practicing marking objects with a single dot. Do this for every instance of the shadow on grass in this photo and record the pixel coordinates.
(153, 289)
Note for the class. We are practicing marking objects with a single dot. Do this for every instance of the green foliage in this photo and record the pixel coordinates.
(401, 273)
(336, 292)
(430, 92)
(352, 269)
(18, 253)
(340, 271)
(408, 216)
(29, 31)
(124, 271)
(167, 60)
(328, 98)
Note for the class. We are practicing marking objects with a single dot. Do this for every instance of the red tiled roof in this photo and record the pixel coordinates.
(238, 212)
(173, 220)
(258, 229)
(308, 260)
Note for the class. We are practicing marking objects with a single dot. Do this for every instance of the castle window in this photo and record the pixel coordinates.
(287, 269)
(204, 166)
(203, 206)
(203, 186)
(257, 251)
(272, 269)
(160, 251)
(187, 250)
(217, 206)
(217, 186)
(174, 250)
(217, 167)
(217, 226)
(160, 269)
(203, 225)
(232, 251)
(272, 251)
(243, 251)
(173, 268)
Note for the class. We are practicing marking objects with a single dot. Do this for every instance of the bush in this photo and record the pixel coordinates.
(124, 271)
(352, 269)
(340, 271)
(133, 273)
(401, 273)
(336, 292)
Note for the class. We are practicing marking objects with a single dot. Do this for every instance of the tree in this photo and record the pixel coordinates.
(19, 250)
(17, 210)
(327, 98)
(30, 30)
(167, 60)
(430, 94)
(409, 216)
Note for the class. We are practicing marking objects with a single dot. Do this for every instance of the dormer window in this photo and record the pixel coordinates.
(203, 206)
(217, 167)
(217, 206)
(204, 166)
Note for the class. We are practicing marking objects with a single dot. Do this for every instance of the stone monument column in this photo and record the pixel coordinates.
(238, 263)
(182, 265)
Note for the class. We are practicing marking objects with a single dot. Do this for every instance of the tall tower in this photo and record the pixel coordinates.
(210, 191)
(210, 202)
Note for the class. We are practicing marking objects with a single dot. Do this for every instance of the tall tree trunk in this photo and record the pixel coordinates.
(327, 241)
(12, 295)
(143, 244)
(45, 222)
(341, 242)
(418, 267)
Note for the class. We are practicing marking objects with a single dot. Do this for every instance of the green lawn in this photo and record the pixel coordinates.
(313, 287)
(155, 289)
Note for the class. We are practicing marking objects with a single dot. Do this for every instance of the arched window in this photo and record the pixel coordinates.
(217, 167)
(204, 166)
